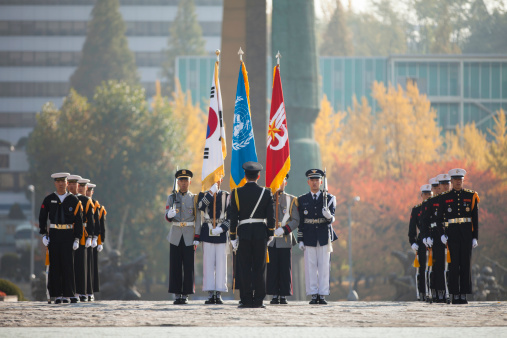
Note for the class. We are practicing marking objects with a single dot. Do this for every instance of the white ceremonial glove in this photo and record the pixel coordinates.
(196, 243)
(270, 239)
(279, 232)
(429, 240)
(301, 245)
(425, 242)
(94, 242)
(415, 247)
(45, 240)
(100, 248)
(88, 242)
(234, 243)
(75, 246)
(444, 239)
(171, 213)
(217, 231)
(474, 243)
(214, 189)
(326, 213)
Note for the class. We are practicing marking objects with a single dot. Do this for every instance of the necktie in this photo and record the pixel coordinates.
(314, 198)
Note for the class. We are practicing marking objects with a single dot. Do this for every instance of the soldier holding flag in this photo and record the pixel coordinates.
(213, 202)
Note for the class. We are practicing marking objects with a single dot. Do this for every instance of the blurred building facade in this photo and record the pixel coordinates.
(40, 47)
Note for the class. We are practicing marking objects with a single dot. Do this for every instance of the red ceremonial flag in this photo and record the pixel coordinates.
(278, 153)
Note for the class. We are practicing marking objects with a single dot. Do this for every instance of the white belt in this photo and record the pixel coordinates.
(253, 220)
(460, 220)
(209, 220)
(183, 224)
(315, 220)
(433, 224)
(61, 226)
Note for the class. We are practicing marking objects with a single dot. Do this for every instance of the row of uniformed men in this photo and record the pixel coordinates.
(260, 227)
(73, 227)
(443, 230)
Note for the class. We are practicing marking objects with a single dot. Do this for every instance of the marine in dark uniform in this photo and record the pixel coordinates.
(91, 240)
(252, 219)
(62, 236)
(415, 237)
(459, 213)
(315, 236)
(96, 245)
(214, 241)
(279, 270)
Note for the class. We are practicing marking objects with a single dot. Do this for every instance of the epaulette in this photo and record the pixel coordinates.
(469, 190)
(418, 205)
(443, 193)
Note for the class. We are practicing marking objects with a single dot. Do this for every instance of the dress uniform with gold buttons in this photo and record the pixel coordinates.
(279, 268)
(415, 238)
(97, 244)
(91, 241)
(61, 236)
(181, 211)
(315, 237)
(459, 213)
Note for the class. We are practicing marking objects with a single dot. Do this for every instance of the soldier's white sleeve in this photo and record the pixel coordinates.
(197, 219)
(226, 223)
(168, 205)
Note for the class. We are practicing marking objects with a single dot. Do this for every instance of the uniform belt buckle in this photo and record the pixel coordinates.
(183, 224)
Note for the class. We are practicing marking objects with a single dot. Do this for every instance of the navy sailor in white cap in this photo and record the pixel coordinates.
(61, 235)
(459, 214)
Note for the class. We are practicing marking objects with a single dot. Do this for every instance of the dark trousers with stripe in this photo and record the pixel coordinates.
(437, 274)
(181, 269)
(252, 262)
(80, 269)
(421, 256)
(61, 263)
(460, 276)
(89, 270)
(96, 279)
(279, 272)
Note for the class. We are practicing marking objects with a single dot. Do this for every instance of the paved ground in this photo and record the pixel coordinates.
(296, 314)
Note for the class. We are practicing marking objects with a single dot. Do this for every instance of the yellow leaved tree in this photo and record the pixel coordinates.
(467, 143)
(497, 156)
(192, 125)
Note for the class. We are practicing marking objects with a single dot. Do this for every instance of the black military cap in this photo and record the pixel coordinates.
(252, 167)
(314, 173)
(184, 173)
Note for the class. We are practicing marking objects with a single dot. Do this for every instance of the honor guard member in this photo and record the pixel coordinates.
(213, 234)
(96, 248)
(80, 255)
(459, 213)
(279, 270)
(89, 226)
(61, 236)
(252, 218)
(429, 214)
(415, 237)
(315, 236)
(181, 213)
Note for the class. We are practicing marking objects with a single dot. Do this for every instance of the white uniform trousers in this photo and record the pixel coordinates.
(214, 265)
(317, 261)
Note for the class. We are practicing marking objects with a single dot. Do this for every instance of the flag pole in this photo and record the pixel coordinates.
(217, 52)
(240, 53)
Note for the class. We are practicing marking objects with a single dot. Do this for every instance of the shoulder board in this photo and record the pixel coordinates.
(418, 205)
(469, 190)
(443, 193)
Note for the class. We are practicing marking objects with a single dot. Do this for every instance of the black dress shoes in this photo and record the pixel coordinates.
(74, 300)
(58, 301)
(315, 299)
(65, 301)
(322, 300)
(283, 300)
(218, 300)
(275, 300)
(211, 300)
(83, 298)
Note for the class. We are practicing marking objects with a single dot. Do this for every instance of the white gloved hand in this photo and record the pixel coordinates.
(217, 231)
(301, 245)
(234, 243)
(474, 243)
(429, 240)
(75, 246)
(326, 213)
(88, 242)
(45, 240)
(270, 239)
(415, 247)
(444, 239)
(99, 248)
(425, 242)
(279, 231)
(94, 242)
(214, 189)
(195, 243)
(171, 213)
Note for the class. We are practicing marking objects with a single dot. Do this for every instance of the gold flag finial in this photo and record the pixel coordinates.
(278, 57)
(240, 53)
(217, 52)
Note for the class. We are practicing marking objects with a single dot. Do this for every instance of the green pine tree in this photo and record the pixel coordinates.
(337, 39)
(185, 39)
(105, 55)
